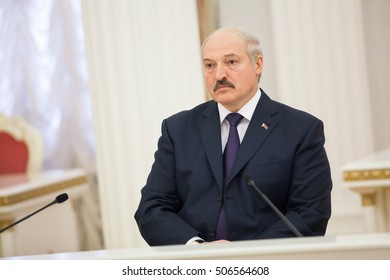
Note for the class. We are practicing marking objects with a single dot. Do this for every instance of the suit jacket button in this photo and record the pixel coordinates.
(219, 198)
(211, 232)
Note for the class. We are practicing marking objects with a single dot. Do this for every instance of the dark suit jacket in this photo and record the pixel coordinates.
(182, 196)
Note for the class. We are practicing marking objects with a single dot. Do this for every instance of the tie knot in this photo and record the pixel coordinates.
(234, 119)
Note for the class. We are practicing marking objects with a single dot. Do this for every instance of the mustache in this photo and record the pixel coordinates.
(223, 83)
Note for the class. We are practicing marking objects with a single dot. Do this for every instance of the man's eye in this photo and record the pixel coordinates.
(208, 66)
(232, 62)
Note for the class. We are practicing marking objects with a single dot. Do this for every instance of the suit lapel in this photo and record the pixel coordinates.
(260, 127)
(210, 132)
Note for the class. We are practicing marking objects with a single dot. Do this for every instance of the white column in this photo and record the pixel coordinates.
(321, 68)
(144, 64)
(377, 38)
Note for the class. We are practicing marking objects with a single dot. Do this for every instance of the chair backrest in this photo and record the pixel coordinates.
(21, 146)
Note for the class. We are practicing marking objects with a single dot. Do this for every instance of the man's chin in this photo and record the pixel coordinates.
(225, 98)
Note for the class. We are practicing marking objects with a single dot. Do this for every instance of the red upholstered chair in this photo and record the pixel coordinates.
(21, 146)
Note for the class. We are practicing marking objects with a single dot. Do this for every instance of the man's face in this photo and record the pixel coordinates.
(231, 79)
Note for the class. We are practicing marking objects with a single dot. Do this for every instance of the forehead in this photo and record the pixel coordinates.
(222, 44)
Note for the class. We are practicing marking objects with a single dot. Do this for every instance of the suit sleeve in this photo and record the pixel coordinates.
(158, 213)
(309, 202)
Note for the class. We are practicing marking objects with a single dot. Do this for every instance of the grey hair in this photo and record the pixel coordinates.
(252, 43)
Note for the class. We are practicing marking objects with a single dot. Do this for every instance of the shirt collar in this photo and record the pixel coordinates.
(247, 111)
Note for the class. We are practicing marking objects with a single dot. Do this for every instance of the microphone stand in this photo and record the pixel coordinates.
(59, 199)
(251, 183)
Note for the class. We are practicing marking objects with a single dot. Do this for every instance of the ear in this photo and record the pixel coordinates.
(259, 64)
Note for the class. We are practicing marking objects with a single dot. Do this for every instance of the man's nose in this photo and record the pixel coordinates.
(220, 72)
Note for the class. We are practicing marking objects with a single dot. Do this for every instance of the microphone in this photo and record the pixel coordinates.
(59, 199)
(251, 183)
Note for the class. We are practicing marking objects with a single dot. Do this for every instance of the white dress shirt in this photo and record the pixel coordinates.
(246, 111)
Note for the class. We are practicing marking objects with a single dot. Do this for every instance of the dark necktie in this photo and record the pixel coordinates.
(229, 155)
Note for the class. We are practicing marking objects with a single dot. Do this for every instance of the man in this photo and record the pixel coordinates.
(196, 191)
